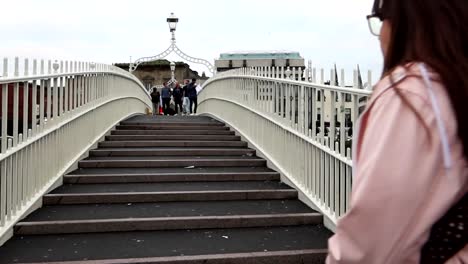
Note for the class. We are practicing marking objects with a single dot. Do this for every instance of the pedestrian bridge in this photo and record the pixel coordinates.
(86, 176)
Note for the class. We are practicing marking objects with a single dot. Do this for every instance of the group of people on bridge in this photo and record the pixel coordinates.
(184, 99)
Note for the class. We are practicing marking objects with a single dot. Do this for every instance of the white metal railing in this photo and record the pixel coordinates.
(51, 114)
(285, 120)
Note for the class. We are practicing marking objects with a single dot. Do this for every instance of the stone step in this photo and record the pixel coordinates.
(234, 245)
(172, 137)
(309, 256)
(156, 171)
(172, 132)
(178, 123)
(167, 209)
(170, 127)
(112, 152)
(164, 223)
(145, 197)
(171, 177)
(170, 187)
(170, 190)
(179, 143)
(171, 161)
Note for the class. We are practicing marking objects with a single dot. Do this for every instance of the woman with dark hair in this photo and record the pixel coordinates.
(409, 202)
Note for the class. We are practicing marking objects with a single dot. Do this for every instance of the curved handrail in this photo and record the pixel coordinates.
(283, 120)
(49, 120)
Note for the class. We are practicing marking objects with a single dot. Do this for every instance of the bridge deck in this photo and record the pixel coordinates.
(199, 202)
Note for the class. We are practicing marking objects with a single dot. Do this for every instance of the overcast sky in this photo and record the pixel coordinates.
(109, 31)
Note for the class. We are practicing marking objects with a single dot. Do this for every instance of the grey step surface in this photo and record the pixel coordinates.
(146, 197)
(171, 161)
(309, 256)
(167, 158)
(170, 187)
(145, 162)
(172, 132)
(170, 119)
(170, 127)
(171, 152)
(147, 175)
(167, 209)
(172, 143)
(171, 190)
(122, 245)
(179, 123)
(172, 137)
(157, 171)
(171, 177)
(164, 223)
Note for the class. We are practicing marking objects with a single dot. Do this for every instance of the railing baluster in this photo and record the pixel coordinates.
(66, 93)
(4, 117)
(26, 105)
(333, 113)
(322, 115)
(3, 192)
(9, 183)
(42, 105)
(15, 114)
(49, 101)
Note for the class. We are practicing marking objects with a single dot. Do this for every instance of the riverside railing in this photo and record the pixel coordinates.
(304, 128)
(51, 114)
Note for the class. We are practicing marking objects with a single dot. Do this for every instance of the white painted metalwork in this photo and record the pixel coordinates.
(49, 120)
(172, 20)
(280, 117)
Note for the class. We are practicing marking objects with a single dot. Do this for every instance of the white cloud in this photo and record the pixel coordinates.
(111, 31)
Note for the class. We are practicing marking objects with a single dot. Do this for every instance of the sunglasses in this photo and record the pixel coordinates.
(375, 22)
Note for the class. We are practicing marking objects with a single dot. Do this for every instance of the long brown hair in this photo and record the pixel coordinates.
(434, 32)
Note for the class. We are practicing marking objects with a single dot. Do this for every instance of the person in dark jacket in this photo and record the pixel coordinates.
(177, 94)
(155, 98)
(166, 98)
(192, 95)
(186, 101)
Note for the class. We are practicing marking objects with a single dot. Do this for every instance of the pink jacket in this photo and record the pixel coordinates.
(401, 184)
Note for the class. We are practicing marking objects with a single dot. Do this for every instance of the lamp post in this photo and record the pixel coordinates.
(172, 21)
(172, 71)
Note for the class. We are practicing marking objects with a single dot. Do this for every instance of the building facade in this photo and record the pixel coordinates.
(234, 60)
(155, 73)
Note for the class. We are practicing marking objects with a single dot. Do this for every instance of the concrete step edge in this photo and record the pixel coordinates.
(172, 160)
(170, 138)
(171, 152)
(173, 132)
(152, 178)
(309, 256)
(165, 223)
(123, 123)
(171, 163)
(171, 127)
(143, 197)
(175, 143)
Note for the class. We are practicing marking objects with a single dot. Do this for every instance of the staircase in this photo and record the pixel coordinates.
(170, 190)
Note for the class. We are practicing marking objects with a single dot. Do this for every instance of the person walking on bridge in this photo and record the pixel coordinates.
(409, 201)
(177, 94)
(155, 98)
(192, 95)
(166, 98)
(186, 100)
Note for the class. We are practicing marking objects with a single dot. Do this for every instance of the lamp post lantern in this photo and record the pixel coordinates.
(172, 21)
